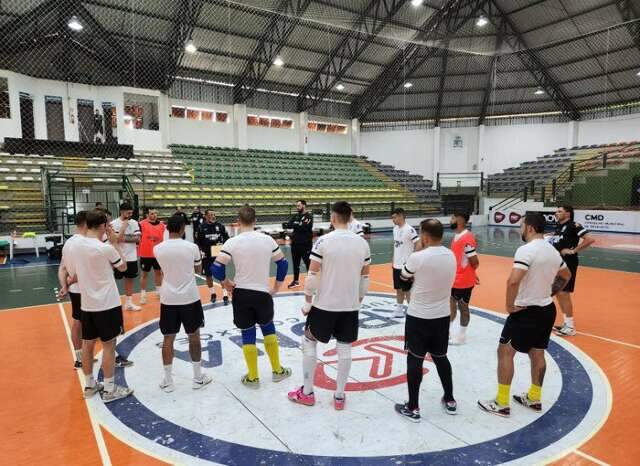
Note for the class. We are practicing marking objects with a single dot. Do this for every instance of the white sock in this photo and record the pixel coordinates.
(89, 381)
(109, 385)
(128, 301)
(569, 321)
(212, 290)
(463, 331)
(197, 369)
(143, 293)
(309, 349)
(224, 292)
(167, 373)
(78, 354)
(344, 366)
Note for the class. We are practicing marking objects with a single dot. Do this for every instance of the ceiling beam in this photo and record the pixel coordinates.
(491, 75)
(630, 16)
(281, 25)
(443, 76)
(441, 25)
(368, 25)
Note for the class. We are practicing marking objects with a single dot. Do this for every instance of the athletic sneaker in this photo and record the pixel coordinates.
(225, 300)
(280, 376)
(77, 365)
(294, 284)
(338, 403)
(403, 410)
(398, 312)
(201, 382)
(249, 383)
(143, 299)
(528, 403)
(90, 391)
(450, 407)
(492, 406)
(457, 340)
(566, 331)
(298, 396)
(132, 307)
(166, 386)
(558, 327)
(121, 361)
(213, 298)
(118, 392)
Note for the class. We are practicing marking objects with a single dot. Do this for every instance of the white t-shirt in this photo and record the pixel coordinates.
(542, 262)
(342, 254)
(251, 253)
(94, 262)
(129, 250)
(433, 270)
(356, 227)
(177, 259)
(67, 258)
(404, 239)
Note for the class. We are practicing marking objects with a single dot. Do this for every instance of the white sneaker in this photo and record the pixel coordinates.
(118, 393)
(166, 386)
(398, 313)
(143, 298)
(133, 307)
(457, 340)
(566, 331)
(201, 382)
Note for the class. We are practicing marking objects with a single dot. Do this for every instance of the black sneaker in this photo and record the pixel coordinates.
(213, 298)
(449, 407)
(121, 361)
(294, 284)
(225, 300)
(77, 365)
(412, 415)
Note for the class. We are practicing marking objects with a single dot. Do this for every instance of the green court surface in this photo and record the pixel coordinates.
(33, 283)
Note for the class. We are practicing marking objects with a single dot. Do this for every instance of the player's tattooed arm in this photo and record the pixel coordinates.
(561, 280)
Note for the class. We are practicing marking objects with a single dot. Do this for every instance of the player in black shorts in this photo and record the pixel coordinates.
(301, 239)
(569, 238)
(211, 233)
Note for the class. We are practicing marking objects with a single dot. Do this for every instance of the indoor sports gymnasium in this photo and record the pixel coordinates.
(319, 232)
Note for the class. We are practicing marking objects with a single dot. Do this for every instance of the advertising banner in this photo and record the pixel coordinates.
(594, 220)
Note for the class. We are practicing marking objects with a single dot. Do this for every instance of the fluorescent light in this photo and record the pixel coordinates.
(416, 3)
(482, 21)
(340, 87)
(638, 73)
(74, 24)
(407, 85)
(190, 47)
(278, 61)
(539, 91)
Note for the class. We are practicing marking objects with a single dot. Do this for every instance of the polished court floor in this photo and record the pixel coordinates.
(45, 420)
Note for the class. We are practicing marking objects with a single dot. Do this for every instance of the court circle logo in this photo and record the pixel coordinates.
(226, 423)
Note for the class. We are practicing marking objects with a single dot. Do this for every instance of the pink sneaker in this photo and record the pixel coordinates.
(298, 396)
(338, 403)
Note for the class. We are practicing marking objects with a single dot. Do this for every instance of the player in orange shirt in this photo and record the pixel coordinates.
(152, 231)
(463, 246)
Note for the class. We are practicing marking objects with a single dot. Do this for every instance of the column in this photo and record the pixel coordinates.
(303, 132)
(355, 137)
(572, 134)
(436, 155)
(240, 139)
(481, 163)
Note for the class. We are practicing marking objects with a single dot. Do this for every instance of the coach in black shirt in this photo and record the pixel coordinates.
(569, 238)
(196, 219)
(301, 240)
(211, 233)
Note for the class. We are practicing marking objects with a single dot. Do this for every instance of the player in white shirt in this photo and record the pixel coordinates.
(337, 282)
(251, 253)
(66, 271)
(432, 271)
(355, 226)
(538, 273)
(180, 301)
(101, 315)
(405, 240)
(128, 231)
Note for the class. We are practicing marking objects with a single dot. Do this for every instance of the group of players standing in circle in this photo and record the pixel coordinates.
(435, 281)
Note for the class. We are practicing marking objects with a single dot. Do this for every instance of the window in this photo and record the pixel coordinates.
(269, 122)
(201, 114)
(178, 112)
(193, 114)
(252, 120)
(5, 108)
(221, 117)
(323, 127)
(141, 112)
(206, 115)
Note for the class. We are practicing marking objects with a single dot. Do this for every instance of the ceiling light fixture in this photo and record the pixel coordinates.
(190, 47)
(74, 24)
(638, 73)
(407, 85)
(482, 21)
(278, 61)
(539, 91)
(416, 3)
(340, 87)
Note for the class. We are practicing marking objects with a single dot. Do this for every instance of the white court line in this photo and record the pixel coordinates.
(610, 340)
(102, 447)
(591, 458)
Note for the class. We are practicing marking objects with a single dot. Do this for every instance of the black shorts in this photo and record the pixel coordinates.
(572, 265)
(207, 262)
(131, 272)
(105, 325)
(323, 325)
(148, 263)
(529, 328)
(251, 307)
(462, 294)
(191, 316)
(76, 311)
(397, 281)
(422, 336)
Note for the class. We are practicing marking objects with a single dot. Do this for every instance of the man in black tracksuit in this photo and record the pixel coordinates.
(211, 233)
(301, 240)
(196, 220)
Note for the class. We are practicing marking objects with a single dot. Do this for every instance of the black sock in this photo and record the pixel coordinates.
(444, 372)
(414, 379)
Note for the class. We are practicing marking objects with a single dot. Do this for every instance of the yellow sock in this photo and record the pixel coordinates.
(503, 394)
(273, 351)
(535, 392)
(251, 357)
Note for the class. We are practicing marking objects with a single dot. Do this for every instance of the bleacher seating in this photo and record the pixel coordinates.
(417, 184)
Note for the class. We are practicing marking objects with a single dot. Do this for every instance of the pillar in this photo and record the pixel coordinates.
(240, 139)
(436, 155)
(303, 132)
(355, 137)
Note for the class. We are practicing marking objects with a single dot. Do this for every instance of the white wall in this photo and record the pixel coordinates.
(259, 137)
(10, 127)
(204, 133)
(616, 129)
(329, 143)
(458, 159)
(410, 150)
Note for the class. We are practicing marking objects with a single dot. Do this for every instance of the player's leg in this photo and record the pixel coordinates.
(169, 327)
(264, 313)
(143, 284)
(110, 325)
(453, 307)
(76, 328)
(129, 276)
(416, 351)
(568, 328)
(306, 257)
(207, 262)
(91, 387)
(438, 343)
(346, 332)
(296, 256)
(397, 285)
(244, 318)
(192, 317)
